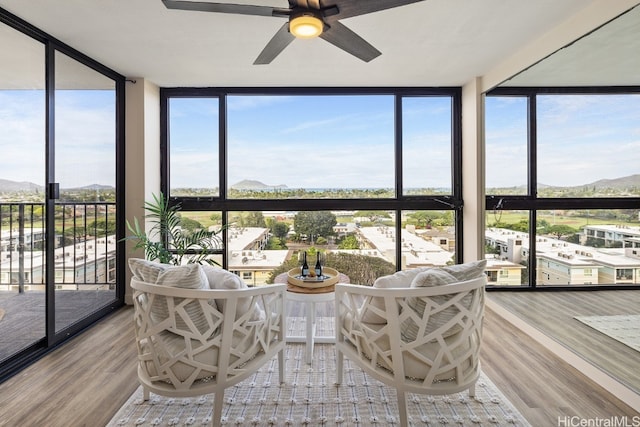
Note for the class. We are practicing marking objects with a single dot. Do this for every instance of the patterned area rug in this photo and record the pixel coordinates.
(309, 397)
(623, 328)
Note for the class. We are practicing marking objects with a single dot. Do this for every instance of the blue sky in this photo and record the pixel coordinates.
(581, 139)
(315, 141)
(85, 137)
(328, 141)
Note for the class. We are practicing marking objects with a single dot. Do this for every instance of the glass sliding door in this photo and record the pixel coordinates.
(61, 146)
(22, 184)
(85, 183)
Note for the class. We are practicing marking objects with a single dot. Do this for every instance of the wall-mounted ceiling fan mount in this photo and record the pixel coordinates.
(305, 19)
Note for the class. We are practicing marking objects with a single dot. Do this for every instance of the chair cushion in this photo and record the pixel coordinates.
(218, 278)
(416, 367)
(179, 357)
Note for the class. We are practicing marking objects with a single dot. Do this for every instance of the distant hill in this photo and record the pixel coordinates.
(94, 187)
(7, 186)
(249, 184)
(621, 183)
(618, 183)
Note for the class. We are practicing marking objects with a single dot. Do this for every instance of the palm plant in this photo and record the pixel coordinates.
(168, 242)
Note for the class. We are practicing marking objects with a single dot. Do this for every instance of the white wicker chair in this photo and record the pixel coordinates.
(198, 341)
(442, 354)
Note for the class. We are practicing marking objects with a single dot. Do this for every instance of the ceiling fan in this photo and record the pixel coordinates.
(305, 19)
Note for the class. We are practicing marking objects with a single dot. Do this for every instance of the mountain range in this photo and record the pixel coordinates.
(8, 186)
(250, 184)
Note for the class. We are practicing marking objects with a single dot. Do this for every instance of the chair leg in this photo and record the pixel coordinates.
(339, 363)
(472, 390)
(218, 401)
(402, 408)
(281, 366)
(145, 393)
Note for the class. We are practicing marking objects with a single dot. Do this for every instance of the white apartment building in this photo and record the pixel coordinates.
(87, 265)
(564, 263)
(611, 234)
(416, 251)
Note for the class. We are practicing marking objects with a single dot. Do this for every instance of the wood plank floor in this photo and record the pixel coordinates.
(86, 381)
(553, 314)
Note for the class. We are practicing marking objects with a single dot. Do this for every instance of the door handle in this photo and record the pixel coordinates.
(54, 190)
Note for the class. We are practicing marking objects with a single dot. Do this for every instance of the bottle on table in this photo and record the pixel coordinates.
(304, 271)
(318, 267)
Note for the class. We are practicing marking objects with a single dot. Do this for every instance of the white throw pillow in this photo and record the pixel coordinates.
(219, 278)
(188, 276)
(467, 271)
(400, 279)
(441, 277)
(146, 271)
(429, 278)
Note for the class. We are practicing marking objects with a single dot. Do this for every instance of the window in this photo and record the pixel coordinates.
(194, 146)
(343, 172)
(310, 146)
(426, 145)
(573, 201)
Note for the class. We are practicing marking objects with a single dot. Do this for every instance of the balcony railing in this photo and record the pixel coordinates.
(84, 246)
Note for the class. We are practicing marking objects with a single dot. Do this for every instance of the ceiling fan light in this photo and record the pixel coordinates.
(306, 26)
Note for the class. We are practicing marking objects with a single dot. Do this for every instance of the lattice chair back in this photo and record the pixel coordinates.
(192, 342)
(416, 339)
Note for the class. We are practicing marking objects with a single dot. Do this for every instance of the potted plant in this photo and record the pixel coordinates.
(167, 242)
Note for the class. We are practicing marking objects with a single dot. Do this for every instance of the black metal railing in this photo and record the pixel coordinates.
(84, 242)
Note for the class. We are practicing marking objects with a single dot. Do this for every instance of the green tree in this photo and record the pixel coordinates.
(280, 230)
(275, 243)
(423, 219)
(102, 227)
(216, 217)
(190, 224)
(522, 225)
(255, 219)
(349, 242)
(372, 215)
(361, 269)
(314, 223)
(249, 219)
(560, 230)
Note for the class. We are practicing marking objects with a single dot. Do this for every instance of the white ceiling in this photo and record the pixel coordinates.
(430, 43)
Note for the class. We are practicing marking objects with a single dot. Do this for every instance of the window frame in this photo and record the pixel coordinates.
(399, 203)
(531, 202)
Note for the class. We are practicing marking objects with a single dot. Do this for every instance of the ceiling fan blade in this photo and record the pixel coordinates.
(240, 9)
(276, 45)
(349, 8)
(350, 42)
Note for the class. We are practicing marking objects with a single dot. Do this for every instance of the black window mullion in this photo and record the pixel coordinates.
(532, 152)
(398, 203)
(222, 170)
(399, 175)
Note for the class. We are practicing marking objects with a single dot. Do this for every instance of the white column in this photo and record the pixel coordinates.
(142, 155)
(473, 170)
